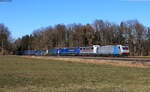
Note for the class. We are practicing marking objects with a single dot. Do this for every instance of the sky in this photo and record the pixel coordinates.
(24, 16)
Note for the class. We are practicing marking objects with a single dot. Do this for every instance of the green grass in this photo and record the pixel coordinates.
(18, 74)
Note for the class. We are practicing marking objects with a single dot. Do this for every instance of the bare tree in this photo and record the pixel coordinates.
(4, 39)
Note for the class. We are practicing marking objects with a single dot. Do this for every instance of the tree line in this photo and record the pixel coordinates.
(131, 33)
(5, 40)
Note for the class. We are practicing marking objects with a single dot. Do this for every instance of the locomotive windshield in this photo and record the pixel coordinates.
(125, 48)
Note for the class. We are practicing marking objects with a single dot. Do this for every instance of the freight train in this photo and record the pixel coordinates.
(96, 50)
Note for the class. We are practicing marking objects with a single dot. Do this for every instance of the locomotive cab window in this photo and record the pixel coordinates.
(125, 48)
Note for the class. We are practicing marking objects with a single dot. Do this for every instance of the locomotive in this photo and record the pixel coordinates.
(96, 50)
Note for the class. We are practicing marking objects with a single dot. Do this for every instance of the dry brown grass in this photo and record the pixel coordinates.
(42, 74)
(110, 62)
(140, 56)
(78, 88)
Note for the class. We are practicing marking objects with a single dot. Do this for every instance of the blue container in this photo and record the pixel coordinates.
(74, 50)
(39, 52)
(28, 52)
(63, 51)
(19, 52)
(67, 51)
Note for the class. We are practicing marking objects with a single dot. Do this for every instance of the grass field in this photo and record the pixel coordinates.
(19, 74)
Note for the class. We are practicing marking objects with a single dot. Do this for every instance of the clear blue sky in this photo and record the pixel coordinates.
(24, 16)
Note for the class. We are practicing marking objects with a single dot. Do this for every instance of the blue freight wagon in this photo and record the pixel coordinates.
(29, 52)
(19, 52)
(69, 51)
(39, 52)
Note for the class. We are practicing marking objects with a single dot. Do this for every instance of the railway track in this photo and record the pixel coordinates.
(138, 59)
(119, 58)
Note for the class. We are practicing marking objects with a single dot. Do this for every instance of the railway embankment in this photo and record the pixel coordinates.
(121, 62)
